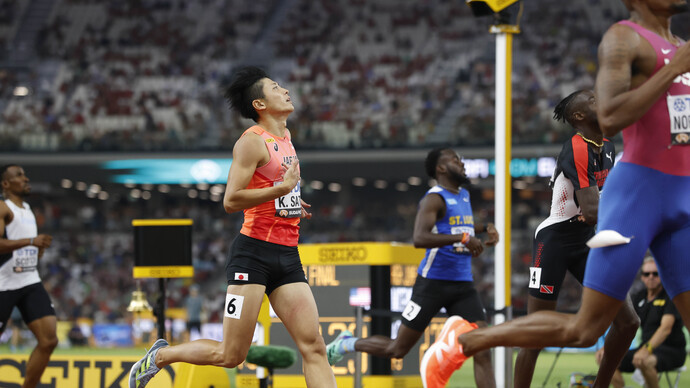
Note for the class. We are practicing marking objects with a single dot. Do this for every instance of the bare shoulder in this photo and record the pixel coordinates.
(619, 41)
(623, 61)
(248, 139)
(6, 214)
(250, 148)
(433, 201)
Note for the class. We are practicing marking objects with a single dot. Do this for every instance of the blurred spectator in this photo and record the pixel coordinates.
(75, 336)
(16, 324)
(194, 305)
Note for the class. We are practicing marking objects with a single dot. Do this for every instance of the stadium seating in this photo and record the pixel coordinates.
(132, 76)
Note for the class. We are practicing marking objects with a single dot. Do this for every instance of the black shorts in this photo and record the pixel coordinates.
(668, 358)
(558, 248)
(429, 295)
(32, 301)
(253, 261)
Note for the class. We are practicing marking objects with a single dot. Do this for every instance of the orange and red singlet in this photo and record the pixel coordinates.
(274, 221)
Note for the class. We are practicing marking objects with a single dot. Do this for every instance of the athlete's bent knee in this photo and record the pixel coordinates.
(231, 360)
(230, 356)
(483, 357)
(581, 337)
(629, 325)
(314, 346)
(48, 344)
(587, 339)
(397, 352)
(530, 352)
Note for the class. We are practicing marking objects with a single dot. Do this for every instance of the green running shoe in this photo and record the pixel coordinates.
(333, 350)
(144, 370)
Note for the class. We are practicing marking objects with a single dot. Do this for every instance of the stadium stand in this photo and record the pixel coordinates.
(145, 75)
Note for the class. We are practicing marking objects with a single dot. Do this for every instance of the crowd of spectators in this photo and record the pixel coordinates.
(133, 75)
(146, 75)
(9, 9)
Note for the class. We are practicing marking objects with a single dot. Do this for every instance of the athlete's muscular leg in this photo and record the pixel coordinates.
(670, 253)
(617, 342)
(549, 328)
(527, 357)
(382, 346)
(45, 330)
(237, 335)
(483, 368)
(294, 303)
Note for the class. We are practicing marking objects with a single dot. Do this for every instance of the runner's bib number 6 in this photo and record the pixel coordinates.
(233, 306)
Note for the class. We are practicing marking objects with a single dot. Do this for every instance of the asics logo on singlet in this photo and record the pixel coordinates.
(681, 79)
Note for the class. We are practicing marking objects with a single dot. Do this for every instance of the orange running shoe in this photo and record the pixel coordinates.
(445, 355)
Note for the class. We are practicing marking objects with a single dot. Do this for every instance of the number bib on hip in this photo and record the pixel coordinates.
(534, 277)
(289, 205)
(25, 259)
(679, 115)
(233, 306)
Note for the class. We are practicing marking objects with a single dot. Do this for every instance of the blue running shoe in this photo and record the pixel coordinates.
(334, 351)
(144, 370)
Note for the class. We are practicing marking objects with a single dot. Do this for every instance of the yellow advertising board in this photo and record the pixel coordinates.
(80, 372)
(108, 372)
(365, 253)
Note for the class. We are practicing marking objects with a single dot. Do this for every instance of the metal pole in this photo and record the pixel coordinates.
(359, 322)
(509, 351)
(161, 308)
(380, 280)
(503, 359)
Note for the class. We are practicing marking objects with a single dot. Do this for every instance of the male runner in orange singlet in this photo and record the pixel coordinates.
(263, 182)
